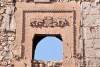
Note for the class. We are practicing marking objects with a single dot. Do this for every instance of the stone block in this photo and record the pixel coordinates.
(90, 62)
(17, 51)
(97, 51)
(97, 43)
(13, 24)
(90, 52)
(85, 6)
(9, 55)
(91, 20)
(93, 62)
(89, 8)
(92, 43)
(98, 62)
(91, 32)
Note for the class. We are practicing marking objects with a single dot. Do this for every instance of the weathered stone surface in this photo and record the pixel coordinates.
(1, 17)
(2, 3)
(4, 63)
(7, 22)
(2, 11)
(97, 53)
(9, 55)
(8, 10)
(11, 38)
(4, 44)
(41, 0)
(92, 43)
(1, 57)
(90, 52)
(90, 8)
(13, 24)
(17, 51)
(4, 53)
(1, 47)
(9, 1)
(8, 16)
(91, 20)
(90, 62)
(91, 32)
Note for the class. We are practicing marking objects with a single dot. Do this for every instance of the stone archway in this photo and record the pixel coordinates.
(39, 19)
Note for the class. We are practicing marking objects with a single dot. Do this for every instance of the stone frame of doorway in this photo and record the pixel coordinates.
(22, 30)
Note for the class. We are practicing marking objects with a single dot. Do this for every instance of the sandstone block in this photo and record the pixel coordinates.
(97, 53)
(92, 43)
(90, 62)
(91, 32)
(91, 20)
(90, 52)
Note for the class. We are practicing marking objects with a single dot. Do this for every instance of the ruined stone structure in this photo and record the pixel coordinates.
(75, 23)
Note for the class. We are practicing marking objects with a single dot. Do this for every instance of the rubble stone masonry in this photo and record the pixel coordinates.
(7, 33)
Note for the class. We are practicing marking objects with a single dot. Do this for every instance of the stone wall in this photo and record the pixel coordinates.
(89, 31)
(90, 34)
(7, 33)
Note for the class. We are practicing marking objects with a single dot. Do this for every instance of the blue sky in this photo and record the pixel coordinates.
(49, 49)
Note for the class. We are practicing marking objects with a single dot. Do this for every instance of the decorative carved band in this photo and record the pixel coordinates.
(49, 22)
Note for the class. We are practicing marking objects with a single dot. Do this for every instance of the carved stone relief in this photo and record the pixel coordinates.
(49, 22)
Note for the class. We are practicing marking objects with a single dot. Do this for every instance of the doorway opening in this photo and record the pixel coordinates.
(47, 48)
